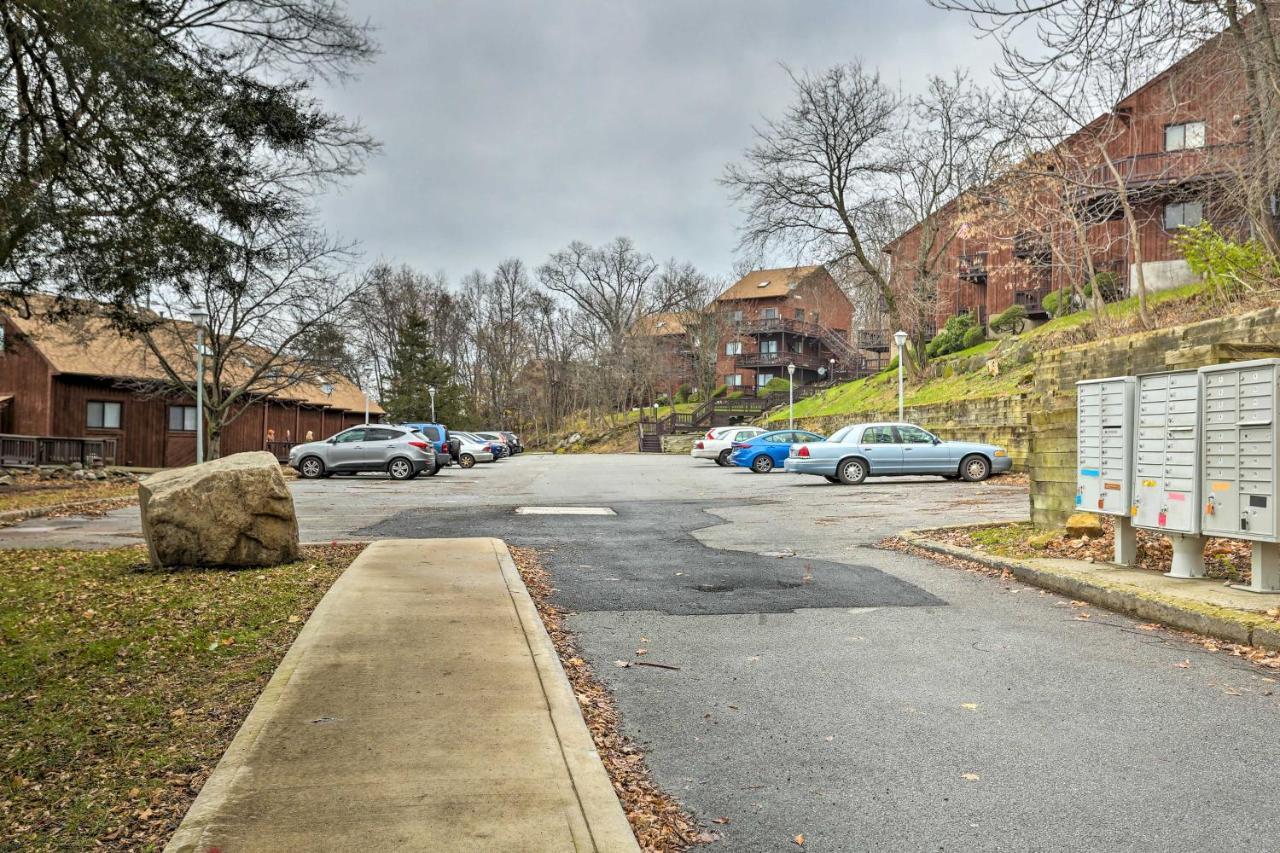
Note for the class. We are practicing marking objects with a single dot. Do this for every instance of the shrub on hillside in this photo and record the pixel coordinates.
(776, 384)
(952, 336)
(973, 337)
(682, 394)
(1012, 320)
(1227, 266)
(719, 392)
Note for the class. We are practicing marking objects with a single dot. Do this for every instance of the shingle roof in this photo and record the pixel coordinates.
(762, 284)
(89, 346)
(659, 325)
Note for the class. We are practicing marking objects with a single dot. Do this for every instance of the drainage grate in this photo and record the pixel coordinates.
(564, 510)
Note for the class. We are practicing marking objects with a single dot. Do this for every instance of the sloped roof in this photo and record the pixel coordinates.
(660, 325)
(89, 346)
(763, 284)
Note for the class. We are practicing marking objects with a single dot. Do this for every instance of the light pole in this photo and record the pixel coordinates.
(431, 391)
(900, 338)
(831, 373)
(200, 318)
(791, 395)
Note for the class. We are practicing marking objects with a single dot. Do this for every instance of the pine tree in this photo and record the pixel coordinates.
(413, 368)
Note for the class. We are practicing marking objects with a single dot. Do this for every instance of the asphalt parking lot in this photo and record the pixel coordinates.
(864, 698)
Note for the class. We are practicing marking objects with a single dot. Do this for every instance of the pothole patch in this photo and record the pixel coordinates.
(714, 587)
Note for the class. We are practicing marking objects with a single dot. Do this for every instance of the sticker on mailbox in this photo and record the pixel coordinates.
(1222, 487)
(1111, 487)
(1090, 472)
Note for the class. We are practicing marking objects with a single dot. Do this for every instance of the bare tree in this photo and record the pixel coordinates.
(284, 285)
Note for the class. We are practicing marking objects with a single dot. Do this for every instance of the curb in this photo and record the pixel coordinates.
(606, 820)
(1233, 626)
(15, 515)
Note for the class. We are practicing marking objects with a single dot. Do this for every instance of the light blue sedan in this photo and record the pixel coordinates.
(859, 451)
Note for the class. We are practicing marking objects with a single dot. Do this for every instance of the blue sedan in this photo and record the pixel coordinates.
(768, 450)
(893, 449)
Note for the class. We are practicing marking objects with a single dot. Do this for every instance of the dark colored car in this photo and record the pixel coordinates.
(447, 447)
(513, 441)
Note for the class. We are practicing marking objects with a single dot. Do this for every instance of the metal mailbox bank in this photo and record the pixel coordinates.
(1166, 477)
(1104, 454)
(1239, 454)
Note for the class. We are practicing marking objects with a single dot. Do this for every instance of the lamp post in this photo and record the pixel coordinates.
(831, 373)
(791, 395)
(900, 338)
(431, 391)
(200, 319)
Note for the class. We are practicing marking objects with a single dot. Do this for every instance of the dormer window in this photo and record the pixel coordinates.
(1181, 137)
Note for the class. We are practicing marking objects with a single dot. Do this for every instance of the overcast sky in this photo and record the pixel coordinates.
(511, 128)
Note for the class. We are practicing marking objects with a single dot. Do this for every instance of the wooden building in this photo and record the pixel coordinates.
(779, 317)
(1171, 146)
(84, 380)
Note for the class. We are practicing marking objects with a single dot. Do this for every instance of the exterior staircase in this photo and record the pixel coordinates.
(721, 411)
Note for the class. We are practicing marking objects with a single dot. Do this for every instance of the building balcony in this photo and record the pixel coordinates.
(973, 267)
(765, 360)
(776, 325)
(1158, 171)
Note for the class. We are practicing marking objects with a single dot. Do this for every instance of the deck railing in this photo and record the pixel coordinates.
(31, 450)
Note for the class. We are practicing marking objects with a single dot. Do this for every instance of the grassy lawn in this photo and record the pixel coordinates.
(30, 493)
(123, 685)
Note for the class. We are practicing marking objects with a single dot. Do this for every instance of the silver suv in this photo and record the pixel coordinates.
(403, 453)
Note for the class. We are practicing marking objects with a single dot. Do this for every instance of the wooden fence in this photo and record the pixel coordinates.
(30, 450)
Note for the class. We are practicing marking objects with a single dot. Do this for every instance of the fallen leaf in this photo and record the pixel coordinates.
(720, 820)
(969, 706)
(622, 664)
(295, 618)
(1082, 617)
(1186, 664)
(798, 840)
(642, 651)
(971, 777)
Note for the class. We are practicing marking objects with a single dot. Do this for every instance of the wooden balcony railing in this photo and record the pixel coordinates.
(1161, 168)
(973, 267)
(32, 450)
(756, 360)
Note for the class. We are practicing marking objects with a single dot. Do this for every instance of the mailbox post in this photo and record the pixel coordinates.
(1239, 455)
(1104, 456)
(1166, 473)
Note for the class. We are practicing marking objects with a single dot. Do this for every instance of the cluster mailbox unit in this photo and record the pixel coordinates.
(1239, 454)
(1197, 458)
(1166, 476)
(1104, 469)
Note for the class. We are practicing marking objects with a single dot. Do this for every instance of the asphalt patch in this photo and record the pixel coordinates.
(646, 558)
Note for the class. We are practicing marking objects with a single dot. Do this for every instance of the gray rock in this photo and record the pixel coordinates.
(76, 466)
(234, 511)
(6, 480)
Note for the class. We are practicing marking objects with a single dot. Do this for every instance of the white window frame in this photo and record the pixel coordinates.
(105, 409)
(770, 347)
(763, 379)
(1185, 136)
(1175, 214)
(733, 348)
(733, 380)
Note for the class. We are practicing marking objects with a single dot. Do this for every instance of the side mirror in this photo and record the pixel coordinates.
(937, 440)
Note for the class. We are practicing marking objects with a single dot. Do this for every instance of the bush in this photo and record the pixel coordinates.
(1225, 265)
(694, 397)
(682, 394)
(733, 395)
(1053, 303)
(1013, 319)
(719, 392)
(951, 338)
(1109, 286)
(775, 384)
(973, 337)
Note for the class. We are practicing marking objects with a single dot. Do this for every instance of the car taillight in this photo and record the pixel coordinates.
(803, 451)
(421, 445)
(698, 446)
(739, 445)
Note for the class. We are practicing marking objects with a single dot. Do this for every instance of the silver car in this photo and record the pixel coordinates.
(402, 452)
(859, 451)
(473, 449)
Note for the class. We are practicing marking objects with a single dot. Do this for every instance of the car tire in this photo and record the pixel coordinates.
(762, 464)
(466, 460)
(723, 459)
(830, 479)
(851, 472)
(434, 469)
(975, 469)
(401, 469)
(311, 467)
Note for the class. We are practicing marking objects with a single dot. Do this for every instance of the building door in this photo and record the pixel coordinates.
(179, 449)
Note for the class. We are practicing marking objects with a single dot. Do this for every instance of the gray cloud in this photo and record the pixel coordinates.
(510, 128)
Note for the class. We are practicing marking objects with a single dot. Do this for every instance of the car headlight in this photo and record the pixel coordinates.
(1001, 452)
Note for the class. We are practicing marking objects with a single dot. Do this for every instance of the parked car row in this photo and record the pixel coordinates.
(853, 453)
(404, 451)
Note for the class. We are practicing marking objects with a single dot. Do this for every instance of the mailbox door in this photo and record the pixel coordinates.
(1239, 481)
(1117, 422)
(1088, 446)
(1148, 462)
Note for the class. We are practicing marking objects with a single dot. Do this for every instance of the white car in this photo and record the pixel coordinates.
(474, 449)
(717, 444)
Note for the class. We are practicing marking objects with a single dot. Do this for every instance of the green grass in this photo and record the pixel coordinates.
(123, 685)
(1122, 308)
(1003, 539)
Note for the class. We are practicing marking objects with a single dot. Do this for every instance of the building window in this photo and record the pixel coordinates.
(799, 347)
(1179, 137)
(737, 315)
(1189, 213)
(733, 348)
(769, 314)
(768, 346)
(733, 380)
(763, 379)
(800, 314)
(815, 318)
(182, 419)
(102, 415)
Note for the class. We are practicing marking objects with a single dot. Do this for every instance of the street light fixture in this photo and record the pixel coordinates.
(900, 338)
(791, 395)
(200, 319)
(431, 391)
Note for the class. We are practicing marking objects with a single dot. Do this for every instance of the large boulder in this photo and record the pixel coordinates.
(233, 511)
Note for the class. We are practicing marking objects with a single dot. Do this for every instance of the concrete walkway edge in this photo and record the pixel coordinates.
(1235, 626)
(606, 820)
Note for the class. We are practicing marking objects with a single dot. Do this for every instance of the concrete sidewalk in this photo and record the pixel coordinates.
(422, 707)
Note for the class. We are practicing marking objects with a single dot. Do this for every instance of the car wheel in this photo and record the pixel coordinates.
(400, 469)
(975, 468)
(762, 464)
(852, 472)
(830, 479)
(311, 468)
(466, 460)
(723, 459)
